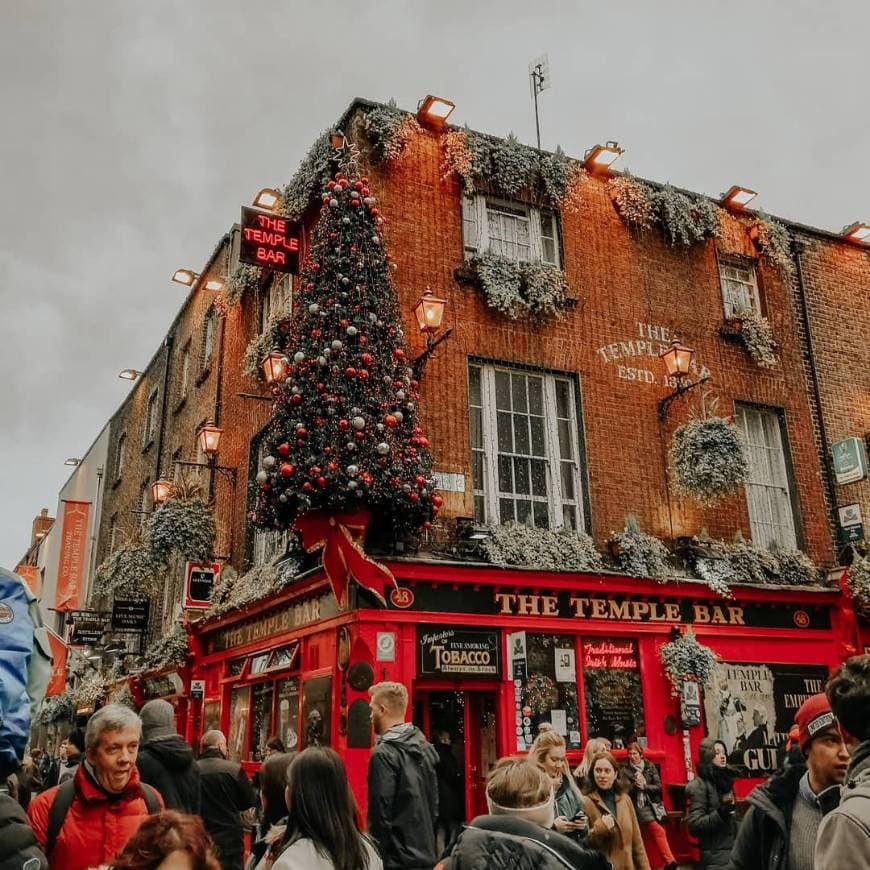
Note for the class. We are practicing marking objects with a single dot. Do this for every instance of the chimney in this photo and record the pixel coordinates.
(41, 525)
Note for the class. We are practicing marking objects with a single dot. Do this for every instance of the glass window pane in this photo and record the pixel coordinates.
(611, 678)
(476, 427)
(479, 509)
(542, 519)
(548, 251)
(505, 437)
(477, 471)
(240, 704)
(524, 511)
(505, 476)
(287, 713)
(522, 483)
(563, 399)
(536, 396)
(505, 510)
(564, 437)
(518, 390)
(538, 446)
(474, 396)
(568, 481)
(502, 391)
(539, 477)
(569, 517)
(261, 721)
(521, 434)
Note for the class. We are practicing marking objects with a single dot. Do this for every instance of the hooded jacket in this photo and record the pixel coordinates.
(844, 835)
(506, 842)
(17, 841)
(169, 766)
(403, 798)
(97, 824)
(710, 821)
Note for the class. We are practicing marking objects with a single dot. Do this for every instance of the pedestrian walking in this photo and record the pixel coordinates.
(322, 829)
(402, 783)
(613, 827)
(273, 804)
(712, 807)
(844, 835)
(451, 795)
(548, 752)
(645, 791)
(166, 761)
(225, 793)
(86, 821)
(779, 830)
(168, 841)
(595, 746)
(517, 833)
(74, 747)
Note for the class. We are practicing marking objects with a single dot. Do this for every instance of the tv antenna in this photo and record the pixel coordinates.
(539, 79)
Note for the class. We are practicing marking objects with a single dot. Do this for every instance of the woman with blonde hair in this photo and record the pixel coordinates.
(593, 747)
(548, 752)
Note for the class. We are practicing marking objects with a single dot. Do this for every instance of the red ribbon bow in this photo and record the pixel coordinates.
(340, 537)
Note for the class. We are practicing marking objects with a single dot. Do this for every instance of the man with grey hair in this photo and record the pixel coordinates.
(225, 793)
(88, 819)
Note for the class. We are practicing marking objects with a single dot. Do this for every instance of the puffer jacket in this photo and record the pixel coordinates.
(169, 766)
(509, 843)
(17, 841)
(403, 798)
(97, 825)
(714, 831)
(844, 835)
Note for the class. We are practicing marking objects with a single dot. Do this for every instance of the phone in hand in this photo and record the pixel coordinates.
(579, 816)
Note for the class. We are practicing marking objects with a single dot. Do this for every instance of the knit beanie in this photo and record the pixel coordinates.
(158, 720)
(812, 718)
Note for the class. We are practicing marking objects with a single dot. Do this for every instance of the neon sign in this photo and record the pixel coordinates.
(269, 241)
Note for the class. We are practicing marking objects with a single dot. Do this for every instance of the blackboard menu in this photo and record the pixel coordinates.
(611, 680)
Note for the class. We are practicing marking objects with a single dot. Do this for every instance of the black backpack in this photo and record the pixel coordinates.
(63, 798)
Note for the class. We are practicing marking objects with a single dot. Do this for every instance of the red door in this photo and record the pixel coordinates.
(480, 751)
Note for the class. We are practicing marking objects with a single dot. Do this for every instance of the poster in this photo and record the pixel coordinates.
(559, 720)
(516, 644)
(566, 672)
(751, 707)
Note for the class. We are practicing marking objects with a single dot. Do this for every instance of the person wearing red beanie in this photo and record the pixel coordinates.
(779, 830)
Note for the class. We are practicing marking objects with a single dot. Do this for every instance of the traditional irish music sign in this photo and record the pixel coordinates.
(269, 240)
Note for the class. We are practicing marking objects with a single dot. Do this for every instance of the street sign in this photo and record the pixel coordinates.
(130, 615)
(851, 523)
(850, 460)
(197, 689)
(269, 240)
(199, 583)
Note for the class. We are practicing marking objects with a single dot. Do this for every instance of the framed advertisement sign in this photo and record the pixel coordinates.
(199, 582)
(458, 652)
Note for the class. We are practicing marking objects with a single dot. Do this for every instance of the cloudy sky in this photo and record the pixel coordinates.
(132, 131)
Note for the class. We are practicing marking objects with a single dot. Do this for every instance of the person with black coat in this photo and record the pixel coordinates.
(712, 806)
(225, 793)
(402, 784)
(18, 844)
(75, 751)
(165, 761)
(451, 796)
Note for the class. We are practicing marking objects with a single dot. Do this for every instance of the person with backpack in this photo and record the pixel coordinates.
(87, 820)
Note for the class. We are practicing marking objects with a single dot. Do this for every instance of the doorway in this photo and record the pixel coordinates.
(468, 719)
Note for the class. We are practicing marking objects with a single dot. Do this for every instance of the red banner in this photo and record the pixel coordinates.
(59, 650)
(73, 547)
(30, 575)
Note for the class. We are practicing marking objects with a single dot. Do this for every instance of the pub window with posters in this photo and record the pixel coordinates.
(545, 683)
(261, 720)
(612, 690)
(240, 706)
(525, 452)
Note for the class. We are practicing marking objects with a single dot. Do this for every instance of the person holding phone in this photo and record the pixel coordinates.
(613, 827)
(548, 752)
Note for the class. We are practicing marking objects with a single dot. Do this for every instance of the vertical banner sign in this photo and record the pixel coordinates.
(73, 544)
(59, 650)
(522, 714)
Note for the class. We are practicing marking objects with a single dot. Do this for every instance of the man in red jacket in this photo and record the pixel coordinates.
(86, 821)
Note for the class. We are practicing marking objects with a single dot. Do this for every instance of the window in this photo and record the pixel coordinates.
(269, 544)
(150, 419)
(611, 685)
(287, 712)
(525, 455)
(768, 489)
(144, 505)
(261, 721)
(185, 371)
(120, 455)
(207, 339)
(240, 705)
(114, 531)
(276, 301)
(522, 233)
(739, 288)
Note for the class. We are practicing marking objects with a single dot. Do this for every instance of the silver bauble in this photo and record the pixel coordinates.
(359, 423)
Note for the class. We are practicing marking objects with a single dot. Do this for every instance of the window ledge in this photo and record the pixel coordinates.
(203, 374)
(179, 405)
(731, 329)
(465, 275)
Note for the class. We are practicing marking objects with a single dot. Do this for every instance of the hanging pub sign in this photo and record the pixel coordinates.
(455, 652)
(850, 460)
(88, 627)
(131, 615)
(269, 240)
(851, 523)
(199, 581)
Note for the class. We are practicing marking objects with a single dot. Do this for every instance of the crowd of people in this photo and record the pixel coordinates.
(127, 793)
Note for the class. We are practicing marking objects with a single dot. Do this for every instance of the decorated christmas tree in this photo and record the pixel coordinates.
(344, 443)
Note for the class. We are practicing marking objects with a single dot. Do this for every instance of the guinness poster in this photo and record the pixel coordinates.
(457, 652)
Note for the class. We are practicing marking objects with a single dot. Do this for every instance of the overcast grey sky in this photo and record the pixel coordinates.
(131, 133)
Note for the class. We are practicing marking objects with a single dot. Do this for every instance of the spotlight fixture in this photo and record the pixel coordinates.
(738, 197)
(859, 233)
(434, 111)
(268, 198)
(185, 277)
(129, 374)
(599, 158)
(73, 461)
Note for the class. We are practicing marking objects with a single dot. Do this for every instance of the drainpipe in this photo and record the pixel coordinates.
(798, 246)
(167, 343)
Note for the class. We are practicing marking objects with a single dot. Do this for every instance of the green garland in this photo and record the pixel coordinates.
(858, 582)
(640, 554)
(245, 278)
(518, 544)
(183, 527)
(633, 200)
(772, 239)
(756, 336)
(172, 649)
(310, 178)
(685, 220)
(271, 338)
(389, 130)
(516, 289)
(235, 591)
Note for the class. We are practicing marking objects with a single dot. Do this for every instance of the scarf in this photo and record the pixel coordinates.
(543, 814)
(721, 778)
(608, 796)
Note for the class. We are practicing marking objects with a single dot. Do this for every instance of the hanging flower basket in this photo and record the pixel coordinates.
(708, 458)
(684, 658)
(540, 693)
(182, 526)
(858, 582)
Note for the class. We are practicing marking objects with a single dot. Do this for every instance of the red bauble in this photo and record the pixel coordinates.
(343, 324)
(398, 353)
(364, 179)
(363, 374)
(307, 486)
(332, 465)
(357, 185)
(350, 371)
(355, 203)
(414, 496)
(286, 469)
(366, 358)
(343, 424)
(359, 435)
(427, 525)
(365, 191)
(315, 267)
(374, 211)
(314, 470)
(424, 443)
(321, 482)
(296, 399)
(437, 501)
(301, 432)
(283, 449)
(420, 480)
(326, 197)
(363, 339)
(391, 421)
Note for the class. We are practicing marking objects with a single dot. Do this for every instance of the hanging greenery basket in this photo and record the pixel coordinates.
(708, 459)
(772, 240)
(858, 581)
(183, 527)
(171, 649)
(518, 544)
(56, 708)
(684, 658)
(756, 335)
(130, 572)
(639, 554)
(245, 278)
(89, 691)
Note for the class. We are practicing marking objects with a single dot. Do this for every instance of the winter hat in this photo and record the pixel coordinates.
(543, 814)
(812, 718)
(158, 720)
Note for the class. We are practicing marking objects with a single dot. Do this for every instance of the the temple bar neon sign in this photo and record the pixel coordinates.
(269, 240)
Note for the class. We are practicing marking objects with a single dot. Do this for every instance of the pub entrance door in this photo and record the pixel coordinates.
(468, 718)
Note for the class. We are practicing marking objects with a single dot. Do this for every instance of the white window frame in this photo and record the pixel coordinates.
(120, 455)
(278, 298)
(145, 505)
(208, 339)
(185, 370)
(477, 212)
(768, 484)
(729, 276)
(150, 418)
(113, 534)
(488, 496)
(269, 544)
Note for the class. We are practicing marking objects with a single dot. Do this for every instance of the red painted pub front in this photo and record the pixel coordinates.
(489, 653)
